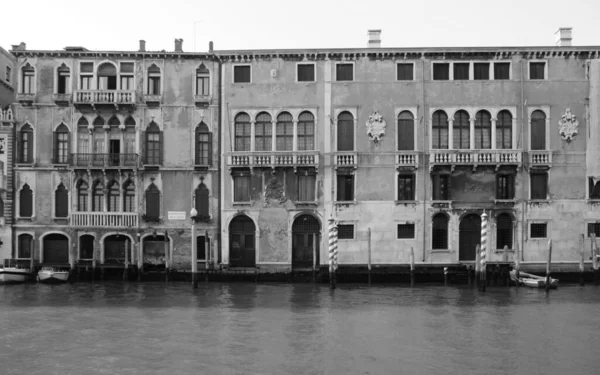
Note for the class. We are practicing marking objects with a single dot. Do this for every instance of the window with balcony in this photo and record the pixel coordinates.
(25, 201)
(406, 187)
(344, 72)
(439, 235)
(483, 130)
(539, 185)
(61, 145)
(98, 196)
(126, 76)
(203, 80)
(306, 185)
(263, 130)
(129, 196)
(242, 131)
(24, 246)
(539, 230)
(461, 71)
(505, 186)
(242, 74)
(404, 71)
(152, 203)
(405, 231)
(154, 80)
(63, 81)
(345, 187)
(27, 79)
(504, 231)
(345, 132)
(241, 186)
(481, 71)
(114, 196)
(306, 72)
(593, 188)
(26, 145)
(86, 75)
(439, 130)
(461, 130)
(441, 187)
(107, 77)
(441, 71)
(345, 231)
(504, 130)
(406, 131)
(501, 71)
(284, 139)
(203, 145)
(61, 201)
(538, 130)
(201, 195)
(153, 145)
(82, 196)
(306, 131)
(537, 70)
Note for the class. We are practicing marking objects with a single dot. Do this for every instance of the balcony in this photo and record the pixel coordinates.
(104, 219)
(407, 159)
(345, 159)
(202, 100)
(26, 98)
(62, 98)
(6, 115)
(475, 158)
(273, 159)
(94, 98)
(104, 160)
(153, 99)
(540, 159)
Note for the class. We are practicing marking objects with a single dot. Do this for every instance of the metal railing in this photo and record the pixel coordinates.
(104, 160)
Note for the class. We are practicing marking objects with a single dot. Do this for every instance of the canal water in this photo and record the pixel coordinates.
(235, 328)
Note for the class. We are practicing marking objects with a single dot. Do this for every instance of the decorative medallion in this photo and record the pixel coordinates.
(567, 126)
(376, 127)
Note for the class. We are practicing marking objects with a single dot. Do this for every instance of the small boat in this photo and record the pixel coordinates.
(52, 275)
(12, 272)
(532, 281)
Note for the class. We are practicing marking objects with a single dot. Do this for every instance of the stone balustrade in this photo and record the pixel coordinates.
(273, 159)
(93, 97)
(104, 219)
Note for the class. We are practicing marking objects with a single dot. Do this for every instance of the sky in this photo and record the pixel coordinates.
(284, 24)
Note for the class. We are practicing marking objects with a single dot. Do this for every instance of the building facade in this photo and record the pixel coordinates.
(408, 148)
(113, 150)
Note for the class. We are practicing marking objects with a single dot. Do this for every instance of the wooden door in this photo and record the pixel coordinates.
(469, 237)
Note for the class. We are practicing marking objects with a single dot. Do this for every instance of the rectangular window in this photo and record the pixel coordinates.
(62, 148)
(306, 135)
(461, 71)
(204, 149)
(85, 82)
(306, 187)
(344, 72)
(593, 228)
(345, 187)
(481, 70)
(154, 85)
(538, 230)
(501, 71)
(306, 72)
(82, 200)
(28, 81)
(406, 231)
(505, 186)
(441, 72)
(241, 74)
(539, 185)
(153, 149)
(241, 188)
(63, 83)
(345, 231)
(536, 70)
(441, 191)
(203, 84)
(404, 72)
(594, 188)
(126, 67)
(127, 82)
(406, 187)
(8, 74)
(24, 246)
(86, 71)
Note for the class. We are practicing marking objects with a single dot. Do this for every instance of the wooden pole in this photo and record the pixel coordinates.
(332, 252)
(93, 269)
(594, 258)
(478, 266)
(581, 260)
(168, 260)
(548, 265)
(194, 254)
(484, 247)
(206, 254)
(412, 266)
(369, 253)
(517, 263)
(446, 276)
(126, 265)
(505, 254)
(314, 249)
(140, 258)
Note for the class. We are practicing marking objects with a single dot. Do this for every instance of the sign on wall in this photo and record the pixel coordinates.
(176, 215)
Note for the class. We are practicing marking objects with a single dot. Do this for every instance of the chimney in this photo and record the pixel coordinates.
(178, 45)
(142, 45)
(563, 37)
(210, 47)
(374, 39)
(19, 47)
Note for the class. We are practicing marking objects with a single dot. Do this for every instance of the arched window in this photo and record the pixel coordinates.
(263, 130)
(24, 246)
(203, 145)
(483, 130)
(63, 79)
(129, 196)
(98, 141)
(61, 144)
(83, 142)
(202, 80)
(306, 131)
(26, 144)
(82, 196)
(201, 198)
(113, 121)
(98, 197)
(461, 129)
(129, 139)
(504, 231)
(153, 80)
(406, 131)
(153, 145)
(152, 202)
(114, 141)
(504, 130)
(440, 232)
(439, 133)
(25, 202)
(284, 140)
(27, 79)
(242, 132)
(538, 130)
(345, 132)
(61, 201)
(107, 77)
(114, 196)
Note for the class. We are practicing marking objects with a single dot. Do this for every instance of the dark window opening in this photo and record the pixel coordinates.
(241, 187)
(505, 186)
(539, 185)
(263, 132)
(129, 197)
(345, 231)
(441, 72)
(439, 130)
(25, 246)
(82, 196)
(345, 187)
(538, 130)
(345, 132)
(284, 139)
(441, 188)
(481, 70)
(86, 247)
(538, 230)
(306, 72)
(98, 197)
(439, 237)
(203, 80)
(344, 72)
(461, 130)
(153, 145)
(504, 231)
(201, 202)
(536, 70)
(461, 71)
(483, 130)
(28, 79)
(406, 131)
(26, 145)
(504, 130)
(406, 187)
(153, 80)
(25, 202)
(242, 131)
(61, 201)
(306, 187)
(241, 74)
(593, 228)
(114, 196)
(152, 203)
(594, 189)
(405, 72)
(501, 71)
(203, 145)
(61, 145)
(63, 79)
(306, 131)
(406, 231)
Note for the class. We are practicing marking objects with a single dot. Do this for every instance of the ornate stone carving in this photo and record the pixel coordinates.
(376, 127)
(567, 126)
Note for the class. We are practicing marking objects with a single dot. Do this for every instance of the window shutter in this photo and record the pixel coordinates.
(143, 155)
(511, 186)
(210, 149)
(160, 147)
(197, 147)
(153, 203)
(55, 151)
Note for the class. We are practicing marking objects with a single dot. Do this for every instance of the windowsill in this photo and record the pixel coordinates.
(23, 164)
(501, 251)
(440, 251)
(405, 239)
(66, 218)
(344, 202)
(60, 165)
(593, 201)
(505, 202)
(441, 203)
(242, 203)
(539, 201)
(406, 203)
(306, 81)
(25, 218)
(538, 238)
(307, 203)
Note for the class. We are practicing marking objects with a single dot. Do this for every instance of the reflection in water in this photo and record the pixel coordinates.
(157, 328)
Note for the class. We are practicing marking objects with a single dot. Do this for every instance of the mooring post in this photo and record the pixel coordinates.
(332, 252)
(581, 260)
(548, 279)
(168, 260)
(126, 265)
(314, 249)
(446, 276)
(140, 257)
(505, 254)
(478, 266)
(93, 269)
(369, 253)
(484, 247)
(594, 258)
(517, 263)
(412, 266)
(194, 252)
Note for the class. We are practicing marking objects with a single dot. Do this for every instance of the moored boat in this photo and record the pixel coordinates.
(532, 281)
(52, 275)
(12, 272)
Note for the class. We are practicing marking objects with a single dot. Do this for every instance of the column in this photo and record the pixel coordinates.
(450, 134)
(494, 120)
(273, 132)
(472, 133)
(252, 132)
(295, 132)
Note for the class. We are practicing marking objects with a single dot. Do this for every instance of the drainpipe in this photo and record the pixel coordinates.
(425, 134)
(523, 224)
(14, 196)
(219, 158)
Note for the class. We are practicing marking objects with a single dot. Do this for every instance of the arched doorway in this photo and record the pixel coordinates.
(155, 250)
(305, 241)
(242, 247)
(469, 236)
(56, 249)
(86, 247)
(115, 247)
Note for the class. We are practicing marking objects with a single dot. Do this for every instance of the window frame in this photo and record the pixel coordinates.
(436, 195)
(348, 224)
(157, 152)
(8, 74)
(545, 110)
(540, 173)
(153, 189)
(56, 202)
(398, 63)
(413, 112)
(234, 66)
(346, 175)
(345, 63)
(20, 206)
(31, 245)
(314, 65)
(353, 113)
(57, 76)
(198, 91)
(236, 175)
(152, 75)
(407, 223)
(450, 70)
(32, 90)
(29, 158)
(306, 173)
(447, 229)
(61, 144)
(498, 229)
(490, 73)
(537, 222)
(122, 75)
(529, 62)
(452, 77)
(413, 178)
(198, 159)
(509, 70)
(510, 187)
(87, 75)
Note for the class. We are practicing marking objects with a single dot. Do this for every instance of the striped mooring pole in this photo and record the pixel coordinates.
(332, 253)
(484, 246)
